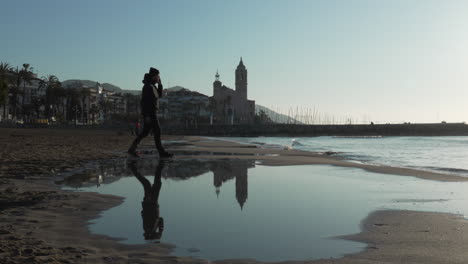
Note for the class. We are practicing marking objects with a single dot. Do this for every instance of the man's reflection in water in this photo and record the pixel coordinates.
(153, 224)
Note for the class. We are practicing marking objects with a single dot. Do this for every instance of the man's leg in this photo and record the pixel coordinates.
(146, 129)
(157, 139)
(157, 135)
(157, 180)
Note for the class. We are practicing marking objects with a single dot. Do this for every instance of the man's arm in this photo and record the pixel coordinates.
(160, 89)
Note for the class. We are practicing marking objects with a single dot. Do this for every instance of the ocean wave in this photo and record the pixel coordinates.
(450, 170)
(295, 142)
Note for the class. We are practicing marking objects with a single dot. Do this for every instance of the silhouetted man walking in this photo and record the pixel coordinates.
(149, 106)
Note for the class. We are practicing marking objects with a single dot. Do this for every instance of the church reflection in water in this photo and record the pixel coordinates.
(228, 172)
(223, 171)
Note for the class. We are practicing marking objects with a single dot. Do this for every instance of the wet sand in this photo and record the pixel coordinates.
(43, 224)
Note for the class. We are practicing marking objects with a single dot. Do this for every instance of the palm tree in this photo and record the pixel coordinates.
(52, 87)
(47, 81)
(61, 103)
(84, 93)
(37, 105)
(3, 92)
(93, 110)
(26, 76)
(6, 78)
(72, 98)
(15, 91)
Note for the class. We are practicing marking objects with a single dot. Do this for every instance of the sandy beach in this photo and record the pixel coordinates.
(43, 224)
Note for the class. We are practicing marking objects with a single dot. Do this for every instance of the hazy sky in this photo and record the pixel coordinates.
(379, 60)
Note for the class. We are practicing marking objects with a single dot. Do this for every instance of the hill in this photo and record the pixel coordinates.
(114, 88)
(111, 87)
(70, 83)
(107, 86)
(276, 117)
(176, 88)
(89, 83)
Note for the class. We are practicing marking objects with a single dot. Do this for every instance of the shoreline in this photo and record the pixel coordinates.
(283, 157)
(311, 130)
(41, 222)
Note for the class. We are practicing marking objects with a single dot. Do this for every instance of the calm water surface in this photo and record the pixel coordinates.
(239, 209)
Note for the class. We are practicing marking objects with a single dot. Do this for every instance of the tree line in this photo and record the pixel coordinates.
(49, 99)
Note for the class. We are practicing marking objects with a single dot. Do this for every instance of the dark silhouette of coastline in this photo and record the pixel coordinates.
(293, 130)
(408, 129)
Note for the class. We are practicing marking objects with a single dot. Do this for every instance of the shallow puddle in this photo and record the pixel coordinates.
(229, 209)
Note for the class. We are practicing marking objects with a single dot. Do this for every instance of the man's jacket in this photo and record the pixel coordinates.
(150, 98)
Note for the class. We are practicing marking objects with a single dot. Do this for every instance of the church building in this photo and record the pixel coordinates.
(232, 106)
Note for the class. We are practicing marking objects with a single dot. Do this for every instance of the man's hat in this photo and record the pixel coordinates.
(153, 71)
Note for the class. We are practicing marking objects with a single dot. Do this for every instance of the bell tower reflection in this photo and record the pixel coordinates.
(241, 188)
(225, 171)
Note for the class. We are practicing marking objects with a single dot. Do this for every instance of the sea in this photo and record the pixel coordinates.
(241, 209)
(437, 154)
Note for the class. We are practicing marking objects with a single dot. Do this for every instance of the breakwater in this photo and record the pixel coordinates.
(439, 129)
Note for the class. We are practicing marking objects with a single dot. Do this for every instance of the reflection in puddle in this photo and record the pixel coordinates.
(223, 171)
(153, 223)
(233, 208)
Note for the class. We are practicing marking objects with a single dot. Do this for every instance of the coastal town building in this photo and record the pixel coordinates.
(87, 103)
(232, 106)
(182, 106)
(75, 103)
(100, 104)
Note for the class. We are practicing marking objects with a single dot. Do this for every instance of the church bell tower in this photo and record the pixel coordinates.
(241, 80)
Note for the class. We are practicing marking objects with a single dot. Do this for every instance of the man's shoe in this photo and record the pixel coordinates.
(165, 154)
